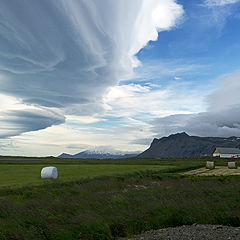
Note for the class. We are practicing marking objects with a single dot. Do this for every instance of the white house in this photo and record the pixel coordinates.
(223, 152)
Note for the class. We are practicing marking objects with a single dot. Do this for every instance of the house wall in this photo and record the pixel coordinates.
(229, 156)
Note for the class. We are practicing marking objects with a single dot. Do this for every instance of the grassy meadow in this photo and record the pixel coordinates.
(109, 199)
(29, 174)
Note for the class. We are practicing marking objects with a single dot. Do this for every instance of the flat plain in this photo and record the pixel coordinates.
(24, 174)
(107, 199)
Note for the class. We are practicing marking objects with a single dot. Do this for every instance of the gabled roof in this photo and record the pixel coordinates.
(223, 150)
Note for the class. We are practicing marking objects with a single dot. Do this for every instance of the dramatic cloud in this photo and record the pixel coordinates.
(66, 54)
(221, 119)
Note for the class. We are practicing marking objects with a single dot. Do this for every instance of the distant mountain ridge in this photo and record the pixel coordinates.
(99, 154)
(182, 145)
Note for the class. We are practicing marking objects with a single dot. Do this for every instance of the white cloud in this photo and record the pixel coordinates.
(151, 20)
(162, 69)
(82, 119)
(131, 104)
(65, 54)
(207, 124)
(212, 3)
(145, 102)
(17, 118)
(222, 117)
(227, 93)
(216, 15)
(72, 139)
(7, 102)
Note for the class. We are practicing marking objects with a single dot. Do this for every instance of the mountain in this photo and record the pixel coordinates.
(65, 155)
(100, 154)
(181, 145)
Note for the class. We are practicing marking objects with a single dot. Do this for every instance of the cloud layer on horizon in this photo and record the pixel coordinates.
(222, 117)
(66, 54)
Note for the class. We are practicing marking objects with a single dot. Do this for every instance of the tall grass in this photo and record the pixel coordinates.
(117, 206)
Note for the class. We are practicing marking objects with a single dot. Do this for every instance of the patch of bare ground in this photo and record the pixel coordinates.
(191, 232)
(217, 171)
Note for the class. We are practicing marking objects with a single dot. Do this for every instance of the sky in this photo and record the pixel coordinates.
(87, 74)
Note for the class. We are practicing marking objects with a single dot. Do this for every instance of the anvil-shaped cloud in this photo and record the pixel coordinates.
(64, 55)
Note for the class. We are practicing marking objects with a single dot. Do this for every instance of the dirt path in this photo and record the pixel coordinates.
(191, 232)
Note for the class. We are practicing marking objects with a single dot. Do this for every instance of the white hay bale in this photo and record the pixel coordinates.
(49, 172)
(232, 165)
(210, 165)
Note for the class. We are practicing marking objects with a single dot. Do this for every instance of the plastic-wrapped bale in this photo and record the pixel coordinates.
(232, 165)
(210, 165)
(49, 172)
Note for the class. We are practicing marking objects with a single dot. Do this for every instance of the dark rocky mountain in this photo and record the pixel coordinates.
(98, 155)
(182, 145)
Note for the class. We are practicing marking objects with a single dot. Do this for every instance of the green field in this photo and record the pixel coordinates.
(21, 171)
(23, 174)
(111, 198)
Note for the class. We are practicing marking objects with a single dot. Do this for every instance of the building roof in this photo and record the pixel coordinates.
(223, 150)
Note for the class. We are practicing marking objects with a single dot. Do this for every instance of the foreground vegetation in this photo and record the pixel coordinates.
(29, 174)
(109, 207)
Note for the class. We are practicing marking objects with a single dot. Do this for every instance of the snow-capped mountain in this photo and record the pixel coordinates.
(100, 153)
